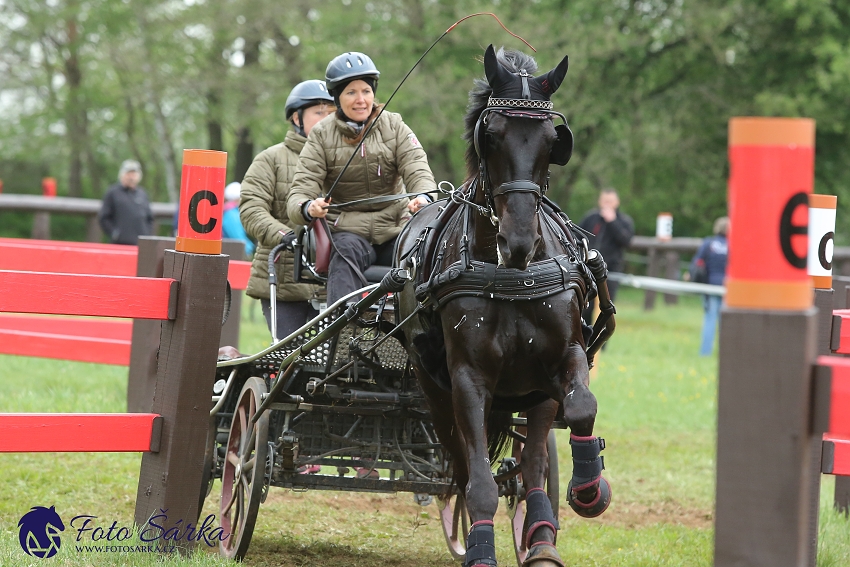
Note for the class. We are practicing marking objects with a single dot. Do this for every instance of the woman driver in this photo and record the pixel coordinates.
(390, 161)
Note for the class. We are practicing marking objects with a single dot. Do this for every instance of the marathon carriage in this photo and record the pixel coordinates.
(339, 393)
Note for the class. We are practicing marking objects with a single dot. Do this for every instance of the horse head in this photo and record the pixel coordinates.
(514, 140)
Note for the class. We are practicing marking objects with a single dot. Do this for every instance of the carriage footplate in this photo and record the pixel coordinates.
(288, 450)
(481, 545)
(587, 476)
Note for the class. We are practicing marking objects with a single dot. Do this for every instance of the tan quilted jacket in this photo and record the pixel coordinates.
(390, 161)
(263, 213)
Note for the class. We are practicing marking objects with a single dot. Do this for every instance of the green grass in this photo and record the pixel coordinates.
(657, 411)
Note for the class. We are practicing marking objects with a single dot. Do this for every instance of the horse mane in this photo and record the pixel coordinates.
(511, 60)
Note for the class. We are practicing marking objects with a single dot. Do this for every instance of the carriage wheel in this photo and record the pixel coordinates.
(243, 475)
(455, 520)
(516, 506)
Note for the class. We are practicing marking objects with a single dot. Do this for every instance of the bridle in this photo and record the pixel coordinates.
(511, 108)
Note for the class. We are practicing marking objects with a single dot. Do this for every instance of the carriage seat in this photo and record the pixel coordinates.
(375, 273)
(305, 259)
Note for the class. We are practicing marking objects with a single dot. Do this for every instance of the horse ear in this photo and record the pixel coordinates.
(496, 74)
(550, 81)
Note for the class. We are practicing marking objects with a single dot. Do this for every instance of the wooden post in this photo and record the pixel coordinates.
(93, 232)
(145, 343)
(823, 301)
(170, 480)
(671, 272)
(768, 333)
(822, 209)
(652, 269)
(41, 226)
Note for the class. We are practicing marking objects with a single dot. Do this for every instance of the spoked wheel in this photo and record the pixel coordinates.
(455, 520)
(244, 471)
(516, 505)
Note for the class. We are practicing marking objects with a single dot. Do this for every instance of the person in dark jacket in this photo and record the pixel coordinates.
(125, 213)
(612, 231)
(713, 255)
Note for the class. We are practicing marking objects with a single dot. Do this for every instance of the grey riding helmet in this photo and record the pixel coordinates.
(305, 95)
(349, 66)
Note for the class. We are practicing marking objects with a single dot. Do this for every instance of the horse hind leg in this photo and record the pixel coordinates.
(588, 492)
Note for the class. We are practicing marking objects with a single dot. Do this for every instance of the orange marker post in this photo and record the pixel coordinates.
(768, 343)
(772, 174)
(48, 187)
(821, 239)
(201, 201)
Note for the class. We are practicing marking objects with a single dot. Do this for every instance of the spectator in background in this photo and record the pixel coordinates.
(711, 257)
(612, 231)
(125, 213)
(231, 226)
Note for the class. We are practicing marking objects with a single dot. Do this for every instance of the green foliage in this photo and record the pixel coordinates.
(651, 87)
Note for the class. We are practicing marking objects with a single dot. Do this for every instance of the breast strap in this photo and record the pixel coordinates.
(538, 281)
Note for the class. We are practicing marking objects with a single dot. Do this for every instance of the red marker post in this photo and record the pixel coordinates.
(768, 333)
(772, 173)
(48, 187)
(201, 201)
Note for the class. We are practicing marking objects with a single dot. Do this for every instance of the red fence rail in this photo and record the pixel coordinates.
(98, 296)
(81, 432)
(21, 254)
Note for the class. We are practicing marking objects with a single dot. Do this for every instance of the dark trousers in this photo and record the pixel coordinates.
(343, 278)
(291, 315)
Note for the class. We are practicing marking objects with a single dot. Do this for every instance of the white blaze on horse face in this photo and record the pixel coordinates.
(499, 256)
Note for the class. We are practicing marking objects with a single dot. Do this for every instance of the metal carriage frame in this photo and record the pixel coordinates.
(339, 393)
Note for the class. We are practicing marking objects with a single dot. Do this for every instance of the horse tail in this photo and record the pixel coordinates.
(498, 426)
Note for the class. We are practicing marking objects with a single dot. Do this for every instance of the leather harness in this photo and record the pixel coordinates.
(435, 284)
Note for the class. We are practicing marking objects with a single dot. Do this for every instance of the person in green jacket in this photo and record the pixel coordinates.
(390, 161)
(263, 209)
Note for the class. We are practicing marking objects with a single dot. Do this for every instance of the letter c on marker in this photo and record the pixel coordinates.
(193, 211)
(826, 263)
(787, 229)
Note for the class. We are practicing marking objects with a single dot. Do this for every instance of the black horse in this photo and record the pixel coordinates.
(500, 282)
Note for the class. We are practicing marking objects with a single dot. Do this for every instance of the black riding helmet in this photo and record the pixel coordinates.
(305, 95)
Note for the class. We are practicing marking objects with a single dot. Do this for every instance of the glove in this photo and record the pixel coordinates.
(288, 239)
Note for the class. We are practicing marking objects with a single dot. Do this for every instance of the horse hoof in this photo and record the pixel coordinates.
(543, 554)
(594, 508)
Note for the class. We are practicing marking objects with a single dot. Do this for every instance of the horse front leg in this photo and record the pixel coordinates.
(471, 401)
(541, 526)
(588, 493)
